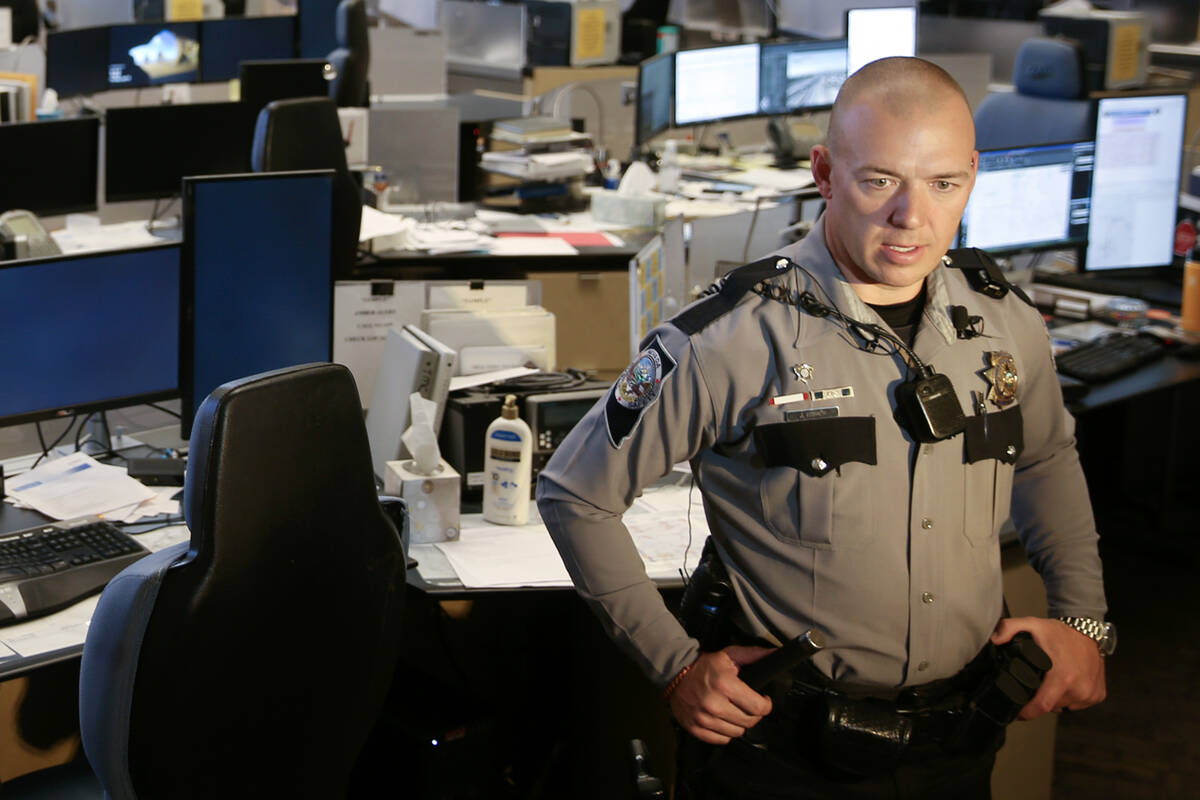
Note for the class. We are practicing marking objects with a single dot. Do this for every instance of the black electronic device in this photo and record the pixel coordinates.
(652, 112)
(157, 471)
(929, 408)
(50, 166)
(779, 131)
(53, 566)
(257, 287)
(1030, 198)
(90, 359)
(77, 61)
(282, 79)
(550, 418)
(228, 42)
(148, 149)
(145, 54)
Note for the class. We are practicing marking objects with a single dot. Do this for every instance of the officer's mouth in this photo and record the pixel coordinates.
(902, 253)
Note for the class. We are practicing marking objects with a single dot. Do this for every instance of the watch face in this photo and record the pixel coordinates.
(1109, 643)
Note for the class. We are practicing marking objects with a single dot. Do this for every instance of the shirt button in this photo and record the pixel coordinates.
(926, 523)
(1010, 451)
(924, 665)
(927, 597)
(820, 464)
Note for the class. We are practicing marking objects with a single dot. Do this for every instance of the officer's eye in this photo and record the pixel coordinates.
(879, 183)
(943, 186)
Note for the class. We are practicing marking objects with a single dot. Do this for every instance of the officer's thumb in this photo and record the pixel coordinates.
(743, 655)
(1005, 630)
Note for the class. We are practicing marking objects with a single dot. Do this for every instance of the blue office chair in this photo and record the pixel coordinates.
(253, 660)
(351, 59)
(304, 133)
(1048, 105)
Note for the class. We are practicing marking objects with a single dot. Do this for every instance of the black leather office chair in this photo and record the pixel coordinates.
(304, 133)
(252, 661)
(352, 57)
(1049, 103)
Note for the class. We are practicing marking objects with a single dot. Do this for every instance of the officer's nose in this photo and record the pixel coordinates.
(908, 208)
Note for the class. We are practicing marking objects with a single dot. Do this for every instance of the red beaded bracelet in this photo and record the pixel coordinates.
(677, 680)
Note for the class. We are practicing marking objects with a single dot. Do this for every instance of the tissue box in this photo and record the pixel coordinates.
(645, 211)
(433, 500)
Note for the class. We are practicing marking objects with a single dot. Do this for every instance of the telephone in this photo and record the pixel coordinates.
(779, 131)
(23, 236)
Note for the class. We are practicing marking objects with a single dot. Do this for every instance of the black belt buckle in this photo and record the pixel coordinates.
(863, 737)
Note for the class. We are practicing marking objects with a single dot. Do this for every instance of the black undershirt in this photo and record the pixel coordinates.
(903, 318)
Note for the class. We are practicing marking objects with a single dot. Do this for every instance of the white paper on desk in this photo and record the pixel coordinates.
(480, 378)
(67, 628)
(502, 556)
(158, 505)
(362, 316)
(77, 486)
(530, 246)
(376, 223)
(781, 179)
(79, 239)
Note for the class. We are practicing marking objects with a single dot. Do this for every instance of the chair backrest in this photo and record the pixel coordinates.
(1048, 103)
(304, 133)
(351, 59)
(253, 660)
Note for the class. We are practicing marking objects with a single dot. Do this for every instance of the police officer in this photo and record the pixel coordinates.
(835, 497)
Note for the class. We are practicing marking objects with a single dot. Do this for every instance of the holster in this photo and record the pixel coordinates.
(863, 737)
(706, 608)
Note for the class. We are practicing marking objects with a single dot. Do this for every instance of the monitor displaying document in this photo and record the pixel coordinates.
(716, 83)
(1030, 198)
(1135, 189)
(800, 76)
(875, 33)
(88, 332)
(257, 278)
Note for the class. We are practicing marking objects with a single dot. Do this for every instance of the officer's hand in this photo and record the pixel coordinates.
(1076, 680)
(712, 703)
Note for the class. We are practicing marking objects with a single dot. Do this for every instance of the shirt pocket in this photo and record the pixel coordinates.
(807, 498)
(992, 443)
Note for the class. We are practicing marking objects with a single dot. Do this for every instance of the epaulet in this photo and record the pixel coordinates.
(983, 273)
(734, 286)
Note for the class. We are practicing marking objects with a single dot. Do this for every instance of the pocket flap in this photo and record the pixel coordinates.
(816, 446)
(998, 435)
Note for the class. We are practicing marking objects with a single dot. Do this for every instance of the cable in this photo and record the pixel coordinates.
(541, 381)
(54, 444)
(165, 410)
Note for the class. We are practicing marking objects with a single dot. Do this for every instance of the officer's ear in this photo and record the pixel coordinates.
(822, 169)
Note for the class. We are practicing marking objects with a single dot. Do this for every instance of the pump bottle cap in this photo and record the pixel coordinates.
(509, 409)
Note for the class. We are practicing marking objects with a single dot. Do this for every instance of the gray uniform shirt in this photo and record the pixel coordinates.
(825, 511)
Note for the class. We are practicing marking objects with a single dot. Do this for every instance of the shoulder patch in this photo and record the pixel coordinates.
(983, 273)
(700, 315)
(636, 389)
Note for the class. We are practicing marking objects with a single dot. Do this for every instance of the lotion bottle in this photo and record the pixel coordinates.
(508, 467)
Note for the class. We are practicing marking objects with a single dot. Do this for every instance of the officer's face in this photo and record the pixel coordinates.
(895, 187)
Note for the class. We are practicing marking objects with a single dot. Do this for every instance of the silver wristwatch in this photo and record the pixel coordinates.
(1104, 633)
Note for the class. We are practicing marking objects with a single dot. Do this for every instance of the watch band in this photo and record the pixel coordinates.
(1103, 633)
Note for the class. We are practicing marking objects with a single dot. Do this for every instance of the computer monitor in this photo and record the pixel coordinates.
(228, 42)
(801, 75)
(257, 278)
(1135, 188)
(147, 54)
(1030, 198)
(317, 33)
(875, 33)
(148, 149)
(77, 61)
(653, 110)
(88, 332)
(50, 166)
(715, 83)
(282, 79)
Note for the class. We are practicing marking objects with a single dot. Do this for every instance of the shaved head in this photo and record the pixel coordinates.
(901, 86)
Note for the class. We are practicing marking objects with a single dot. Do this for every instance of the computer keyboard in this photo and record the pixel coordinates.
(1109, 356)
(52, 566)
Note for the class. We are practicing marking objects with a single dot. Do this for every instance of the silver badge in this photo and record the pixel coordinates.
(803, 372)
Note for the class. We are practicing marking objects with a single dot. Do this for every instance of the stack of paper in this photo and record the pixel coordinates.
(77, 486)
(539, 166)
